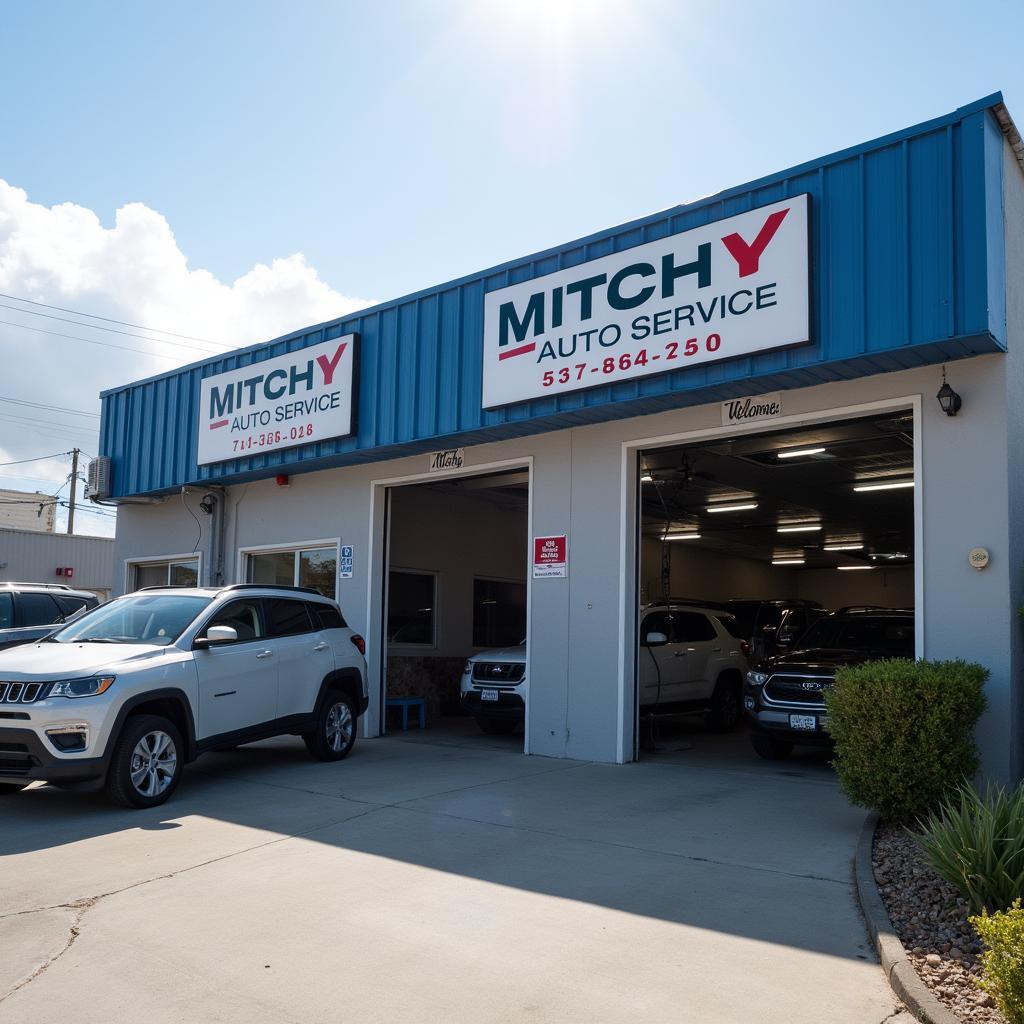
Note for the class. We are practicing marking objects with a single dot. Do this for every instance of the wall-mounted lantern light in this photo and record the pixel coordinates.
(948, 398)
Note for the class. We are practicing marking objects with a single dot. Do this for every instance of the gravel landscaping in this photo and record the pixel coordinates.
(931, 920)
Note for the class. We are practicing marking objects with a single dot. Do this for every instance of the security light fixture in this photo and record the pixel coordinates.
(788, 561)
(732, 507)
(949, 400)
(884, 487)
(843, 547)
(796, 453)
(800, 528)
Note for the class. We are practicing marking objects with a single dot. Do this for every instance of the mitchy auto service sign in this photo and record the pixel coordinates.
(720, 291)
(298, 398)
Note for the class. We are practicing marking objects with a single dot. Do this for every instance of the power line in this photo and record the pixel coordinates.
(98, 327)
(111, 320)
(90, 341)
(38, 458)
(48, 408)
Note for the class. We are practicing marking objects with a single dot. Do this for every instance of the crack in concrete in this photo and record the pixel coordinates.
(74, 930)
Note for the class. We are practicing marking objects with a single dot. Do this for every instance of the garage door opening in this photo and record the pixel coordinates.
(455, 609)
(787, 551)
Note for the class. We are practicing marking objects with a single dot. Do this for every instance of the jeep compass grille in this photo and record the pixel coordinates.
(20, 693)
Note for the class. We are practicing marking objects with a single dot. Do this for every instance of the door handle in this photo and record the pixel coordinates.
(264, 654)
(322, 646)
(681, 654)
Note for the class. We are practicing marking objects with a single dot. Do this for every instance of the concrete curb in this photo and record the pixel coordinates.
(898, 969)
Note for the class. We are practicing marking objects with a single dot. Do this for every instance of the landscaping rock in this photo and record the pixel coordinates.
(930, 918)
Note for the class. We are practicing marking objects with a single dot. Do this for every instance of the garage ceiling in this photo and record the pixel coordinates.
(808, 493)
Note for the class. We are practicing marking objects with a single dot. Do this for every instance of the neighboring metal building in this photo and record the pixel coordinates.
(27, 556)
(28, 510)
(834, 290)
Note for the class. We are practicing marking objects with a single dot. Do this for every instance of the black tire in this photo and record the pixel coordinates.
(726, 706)
(335, 732)
(497, 726)
(7, 788)
(770, 748)
(133, 781)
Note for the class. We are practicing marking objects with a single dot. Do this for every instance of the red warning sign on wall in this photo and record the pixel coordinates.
(550, 557)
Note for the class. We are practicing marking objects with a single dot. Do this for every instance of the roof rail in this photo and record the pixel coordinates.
(45, 586)
(273, 586)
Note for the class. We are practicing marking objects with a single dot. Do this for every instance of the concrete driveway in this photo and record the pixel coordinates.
(441, 880)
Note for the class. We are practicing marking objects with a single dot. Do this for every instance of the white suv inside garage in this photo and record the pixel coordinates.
(692, 660)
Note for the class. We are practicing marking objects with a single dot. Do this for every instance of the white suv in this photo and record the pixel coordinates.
(692, 659)
(130, 692)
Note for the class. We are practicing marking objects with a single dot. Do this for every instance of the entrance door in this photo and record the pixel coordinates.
(238, 681)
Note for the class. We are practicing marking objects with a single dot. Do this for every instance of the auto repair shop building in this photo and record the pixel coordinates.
(550, 426)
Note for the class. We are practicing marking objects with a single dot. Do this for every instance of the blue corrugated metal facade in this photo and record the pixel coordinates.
(907, 268)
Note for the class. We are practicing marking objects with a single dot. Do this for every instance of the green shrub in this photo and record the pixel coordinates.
(1003, 961)
(976, 842)
(904, 732)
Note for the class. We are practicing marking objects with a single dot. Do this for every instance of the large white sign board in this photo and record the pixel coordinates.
(721, 291)
(299, 398)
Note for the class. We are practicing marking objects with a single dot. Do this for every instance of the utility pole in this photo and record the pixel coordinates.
(74, 484)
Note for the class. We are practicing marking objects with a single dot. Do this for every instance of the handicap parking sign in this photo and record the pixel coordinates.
(345, 564)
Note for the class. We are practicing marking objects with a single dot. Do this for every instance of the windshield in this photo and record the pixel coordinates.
(888, 635)
(140, 619)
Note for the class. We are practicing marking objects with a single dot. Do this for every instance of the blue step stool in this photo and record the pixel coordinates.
(405, 703)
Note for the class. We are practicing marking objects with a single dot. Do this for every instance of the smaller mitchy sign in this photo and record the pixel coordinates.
(450, 458)
(298, 398)
(743, 410)
(550, 557)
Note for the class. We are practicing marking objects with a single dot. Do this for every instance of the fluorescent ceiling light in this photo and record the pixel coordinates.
(646, 478)
(883, 487)
(806, 528)
(682, 536)
(843, 547)
(732, 508)
(893, 555)
(853, 568)
(795, 453)
(787, 561)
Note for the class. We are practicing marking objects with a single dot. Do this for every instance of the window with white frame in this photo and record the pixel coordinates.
(177, 572)
(315, 567)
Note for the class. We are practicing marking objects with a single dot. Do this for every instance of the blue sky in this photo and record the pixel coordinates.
(231, 170)
(397, 144)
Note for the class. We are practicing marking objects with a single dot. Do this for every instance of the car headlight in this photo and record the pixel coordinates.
(755, 678)
(467, 669)
(82, 687)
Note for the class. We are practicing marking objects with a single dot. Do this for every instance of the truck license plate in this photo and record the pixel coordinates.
(488, 694)
(806, 722)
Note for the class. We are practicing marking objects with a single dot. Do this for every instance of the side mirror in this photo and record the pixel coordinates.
(655, 640)
(217, 635)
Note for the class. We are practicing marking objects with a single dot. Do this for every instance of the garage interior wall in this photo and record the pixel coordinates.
(712, 576)
(457, 538)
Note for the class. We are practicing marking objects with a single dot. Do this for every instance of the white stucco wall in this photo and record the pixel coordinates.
(581, 649)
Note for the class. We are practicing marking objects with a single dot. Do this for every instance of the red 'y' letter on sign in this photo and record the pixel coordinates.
(330, 365)
(749, 256)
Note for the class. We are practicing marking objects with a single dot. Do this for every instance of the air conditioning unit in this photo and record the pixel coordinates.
(97, 486)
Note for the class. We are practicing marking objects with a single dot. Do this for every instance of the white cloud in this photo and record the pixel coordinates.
(133, 271)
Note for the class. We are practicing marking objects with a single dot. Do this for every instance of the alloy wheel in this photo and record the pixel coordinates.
(154, 763)
(339, 726)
